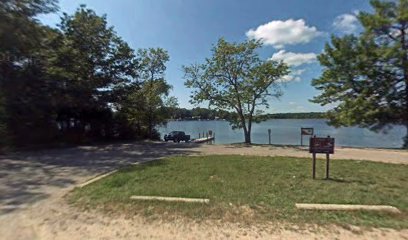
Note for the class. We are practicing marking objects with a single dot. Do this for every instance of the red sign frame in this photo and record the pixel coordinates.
(321, 145)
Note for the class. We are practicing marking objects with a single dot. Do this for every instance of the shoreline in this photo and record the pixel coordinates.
(359, 154)
(307, 147)
(37, 148)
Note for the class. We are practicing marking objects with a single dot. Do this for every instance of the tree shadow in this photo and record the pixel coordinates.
(342, 180)
(27, 177)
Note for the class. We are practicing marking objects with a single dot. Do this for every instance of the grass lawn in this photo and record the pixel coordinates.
(251, 189)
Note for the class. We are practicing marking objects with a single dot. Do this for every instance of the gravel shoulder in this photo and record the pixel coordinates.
(33, 185)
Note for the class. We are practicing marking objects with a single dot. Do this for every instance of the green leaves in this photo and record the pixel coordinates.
(25, 103)
(29, 8)
(235, 78)
(77, 82)
(149, 104)
(367, 75)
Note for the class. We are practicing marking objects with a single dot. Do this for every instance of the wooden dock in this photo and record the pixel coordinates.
(203, 140)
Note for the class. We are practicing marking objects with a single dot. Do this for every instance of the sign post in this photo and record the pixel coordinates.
(305, 131)
(321, 145)
(269, 133)
(314, 166)
(327, 165)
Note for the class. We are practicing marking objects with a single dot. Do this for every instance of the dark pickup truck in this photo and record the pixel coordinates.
(177, 136)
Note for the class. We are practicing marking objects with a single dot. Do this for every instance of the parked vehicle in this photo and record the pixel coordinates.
(177, 136)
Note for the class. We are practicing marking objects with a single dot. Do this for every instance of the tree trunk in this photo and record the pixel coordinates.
(247, 134)
(150, 130)
(405, 69)
(405, 62)
(406, 137)
(247, 131)
(150, 124)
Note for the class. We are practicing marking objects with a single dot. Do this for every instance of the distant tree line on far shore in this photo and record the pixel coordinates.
(299, 115)
(199, 113)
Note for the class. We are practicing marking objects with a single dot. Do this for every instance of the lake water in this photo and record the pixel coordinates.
(287, 131)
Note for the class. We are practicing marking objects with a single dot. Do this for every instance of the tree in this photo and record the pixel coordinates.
(71, 82)
(235, 78)
(90, 64)
(148, 103)
(366, 76)
(3, 125)
(20, 32)
(147, 107)
(23, 86)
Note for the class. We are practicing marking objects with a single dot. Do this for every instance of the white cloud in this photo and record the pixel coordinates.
(280, 33)
(346, 23)
(289, 78)
(292, 76)
(294, 59)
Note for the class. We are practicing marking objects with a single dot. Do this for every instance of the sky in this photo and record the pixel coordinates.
(294, 31)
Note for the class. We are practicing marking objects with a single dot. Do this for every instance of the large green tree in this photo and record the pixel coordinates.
(90, 65)
(148, 103)
(366, 76)
(235, 78)
(72, 82)
(20, 31)
(25, 98)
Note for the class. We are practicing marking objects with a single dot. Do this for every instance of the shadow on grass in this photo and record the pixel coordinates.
(345, 181)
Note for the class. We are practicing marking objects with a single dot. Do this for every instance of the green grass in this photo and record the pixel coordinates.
(254, 189)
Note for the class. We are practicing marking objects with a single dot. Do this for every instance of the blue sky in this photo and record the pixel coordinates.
(294, 31)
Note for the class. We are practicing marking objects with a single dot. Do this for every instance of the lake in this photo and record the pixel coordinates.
(287, 131)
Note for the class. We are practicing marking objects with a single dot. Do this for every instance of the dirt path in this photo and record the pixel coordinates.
(375, 155)
(32, 186)
(56, 220)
